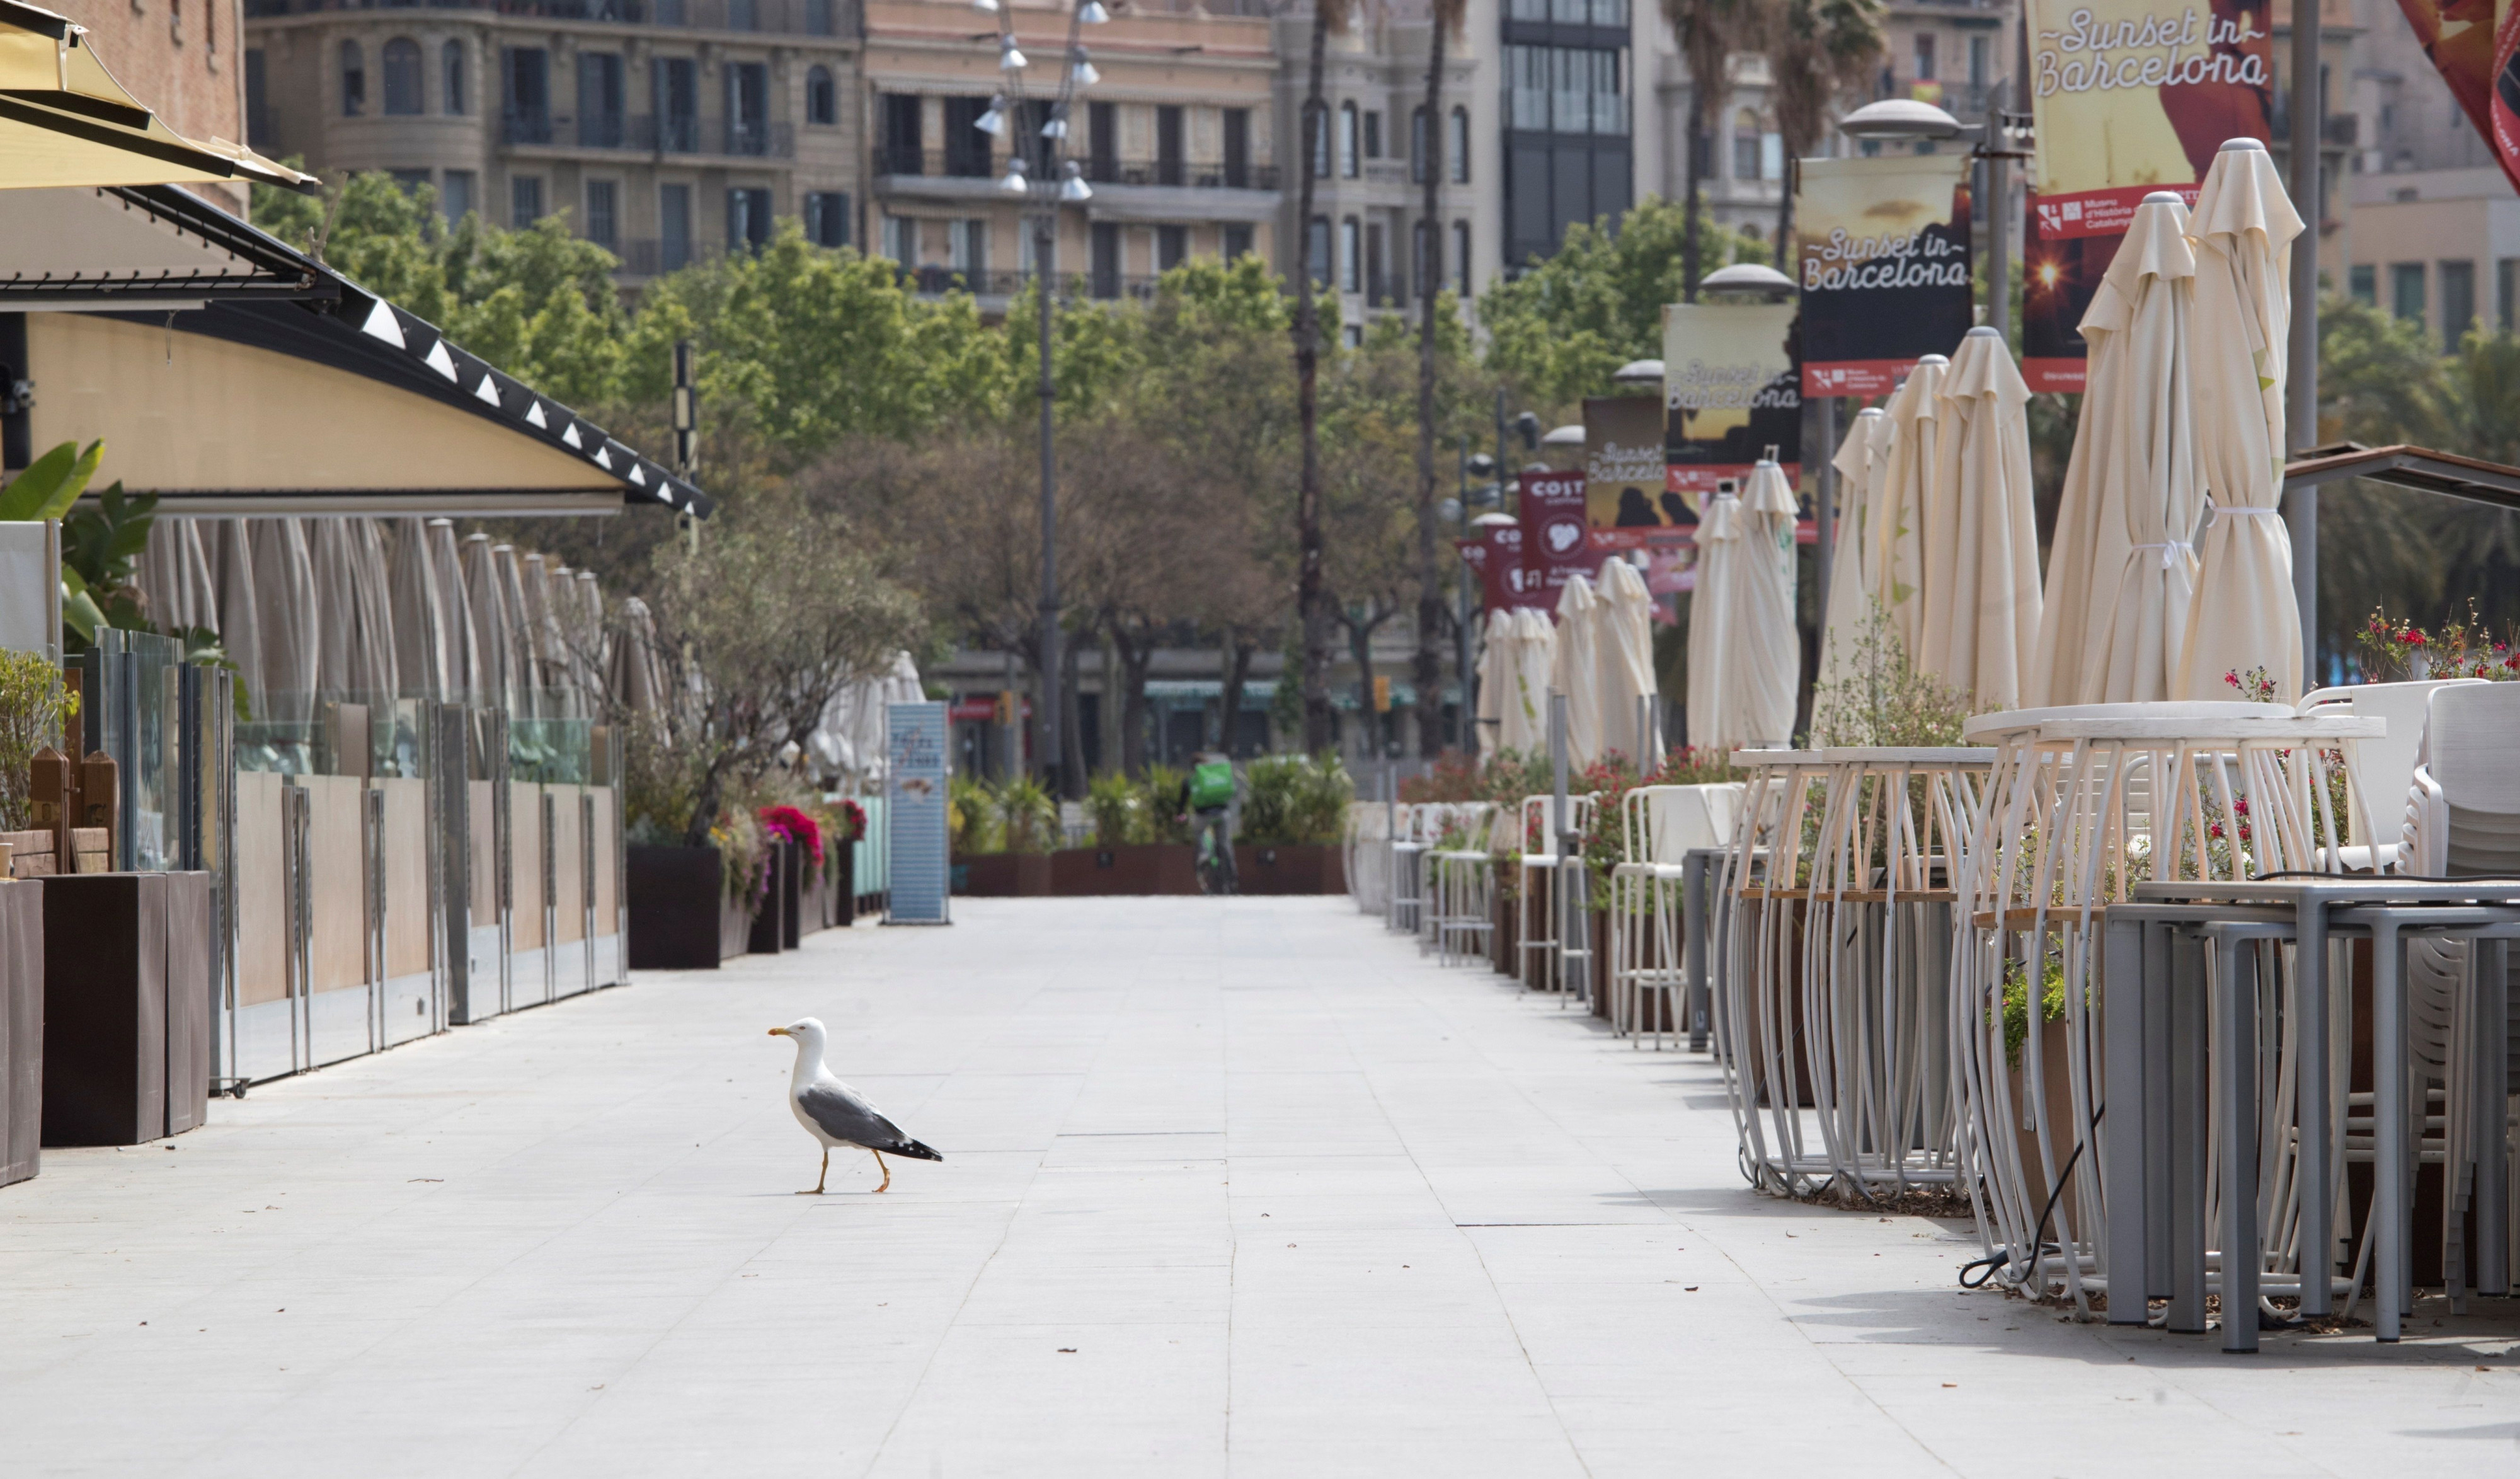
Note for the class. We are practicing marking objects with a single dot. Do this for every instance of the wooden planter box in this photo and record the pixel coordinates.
(777, 926)
(21, 1028)
(734, 927)
(1294, 869)
(677, 900)
(840, 884)
(126, 1054)
(1004, 875)
(1137, 868)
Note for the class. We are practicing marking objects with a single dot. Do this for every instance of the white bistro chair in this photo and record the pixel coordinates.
(1660, 825)
(1541, 896)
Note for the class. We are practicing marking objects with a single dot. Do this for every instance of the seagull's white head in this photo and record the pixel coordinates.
(808, 1033)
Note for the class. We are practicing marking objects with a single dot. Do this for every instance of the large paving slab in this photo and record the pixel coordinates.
(1239, 1186)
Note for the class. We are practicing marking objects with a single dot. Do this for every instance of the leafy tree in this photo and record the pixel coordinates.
(1818, 51)
(1709, 32)
(1307, 331)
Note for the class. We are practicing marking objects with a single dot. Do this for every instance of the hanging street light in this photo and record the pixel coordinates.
(994, 122)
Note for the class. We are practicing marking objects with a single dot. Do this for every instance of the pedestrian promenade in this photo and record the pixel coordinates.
(1241, 1187)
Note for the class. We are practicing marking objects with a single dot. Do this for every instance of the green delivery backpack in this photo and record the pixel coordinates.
(1211, 785)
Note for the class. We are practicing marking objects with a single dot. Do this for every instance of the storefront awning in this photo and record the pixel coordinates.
(64, 120)
(312, 397)
(153, 247)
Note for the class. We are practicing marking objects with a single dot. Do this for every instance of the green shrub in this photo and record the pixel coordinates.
(1161, 792)
(1118, 809)
(1292, 801)
(975, 819)
(1029, 816)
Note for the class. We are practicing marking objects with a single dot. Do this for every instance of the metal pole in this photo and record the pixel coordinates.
(1824, 507)
(1499, 425)
(2309, 116)
(1044, 240)
(1467, 705)
(1998, 221)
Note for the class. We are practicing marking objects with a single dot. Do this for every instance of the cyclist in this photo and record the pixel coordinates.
(1207, 798)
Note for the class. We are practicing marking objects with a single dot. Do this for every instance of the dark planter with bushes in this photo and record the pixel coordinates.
(126, 1008)
(677, 902)
(1004, 875)
(840, 883)
(776, 927)
(1132, 868)
(1291, 868)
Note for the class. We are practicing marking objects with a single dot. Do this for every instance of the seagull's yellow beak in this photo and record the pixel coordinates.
(778, 1031)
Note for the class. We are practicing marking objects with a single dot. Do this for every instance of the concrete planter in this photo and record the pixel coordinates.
(1004, 875)
(126, 1038)
(1137, 868)
(677, 897)
(1293, 869)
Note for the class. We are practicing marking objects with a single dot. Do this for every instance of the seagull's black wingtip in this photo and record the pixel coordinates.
(915, 1151)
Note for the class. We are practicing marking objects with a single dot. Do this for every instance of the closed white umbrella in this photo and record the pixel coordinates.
(173, 573)
(374, 588)
(231, 555)
(2243, 614)
(1535, 654)
(419, 627)
(637, 679)
(284, 589)
(1496, 659)
(524, 668)
(494, 649)
(1981, 534)
(1862, 461)
(1765, 666)
(591, 633)
(2138, 411)
(1906, 501)
(1576, 672)
(1626, 657)
(456, 640)
(1710, 620)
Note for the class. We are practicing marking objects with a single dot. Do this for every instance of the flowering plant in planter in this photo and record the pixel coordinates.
(851, 821)
(789, 824)
(2453, 650)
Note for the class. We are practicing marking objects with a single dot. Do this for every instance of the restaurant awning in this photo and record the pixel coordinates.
(65, 120)
(308, 396)
(126, 246)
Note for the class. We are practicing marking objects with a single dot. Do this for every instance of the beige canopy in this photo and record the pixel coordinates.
(2243, 616)
(1981, 535)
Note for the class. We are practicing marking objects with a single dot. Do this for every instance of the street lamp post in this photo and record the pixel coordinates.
(1059, 181)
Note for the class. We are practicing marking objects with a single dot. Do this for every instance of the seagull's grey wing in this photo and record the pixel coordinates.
(844, 1115)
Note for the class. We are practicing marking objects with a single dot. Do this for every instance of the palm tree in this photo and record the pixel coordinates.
(1446, 21)
(1310, 616)
(1709, 32)
(1817, 50)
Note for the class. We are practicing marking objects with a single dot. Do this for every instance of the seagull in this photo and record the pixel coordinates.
(836, 1114)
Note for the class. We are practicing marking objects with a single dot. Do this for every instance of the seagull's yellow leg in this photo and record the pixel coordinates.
(880, 1166)
(824, 1177)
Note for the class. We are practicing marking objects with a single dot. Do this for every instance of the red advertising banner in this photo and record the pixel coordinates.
(1495, 553)
(1554, 545)
(2471, 48)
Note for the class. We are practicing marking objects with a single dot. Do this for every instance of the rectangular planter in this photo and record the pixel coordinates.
(843, 885)
(734, 927)
(1004, 875)
(21, 1028)
(773, 925)
(675, 896)
(1293, 869)
(127, 1007)
(1133, 869)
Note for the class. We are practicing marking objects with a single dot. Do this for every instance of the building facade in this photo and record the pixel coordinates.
(1176, 138)
(663, 130)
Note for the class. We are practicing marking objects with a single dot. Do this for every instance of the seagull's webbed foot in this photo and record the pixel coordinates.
(824, 1177)
(880, 1166)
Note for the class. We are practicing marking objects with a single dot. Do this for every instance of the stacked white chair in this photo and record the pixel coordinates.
(1464, 913)
(1660, 826)
(1542, 918)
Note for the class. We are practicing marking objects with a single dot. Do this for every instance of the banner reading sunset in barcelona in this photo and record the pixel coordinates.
(2130, 97)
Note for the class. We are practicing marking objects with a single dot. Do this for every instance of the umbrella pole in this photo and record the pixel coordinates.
(2301, 387)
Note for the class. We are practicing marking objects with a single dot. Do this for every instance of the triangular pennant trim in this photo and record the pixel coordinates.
(487, 391)
(381, 324)
(535, 416)
(439, 360)
(572, 438)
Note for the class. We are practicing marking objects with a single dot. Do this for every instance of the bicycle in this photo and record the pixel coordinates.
(1216, 875)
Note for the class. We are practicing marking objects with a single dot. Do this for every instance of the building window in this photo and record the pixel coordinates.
(1237, 242)
(412, 181)
(743, 14)
(524, 85)
(822, 98)
(1374, 135)
(1317, 245)
(1556, 89)
(354, 80)
(673, 227)
(457, 100)
(601, 100)
(1925, 56)
(2362, 283)
(748, 108)
(901, 241)
(1457, 148)
(1421, 147)
(604, 214)
(1745, 145)
(1238, 146)
(1351, 255)
(1461, 259)
(1347, 141)
(675, 82)
(257, 104)
(969, 239)
(456, 196)
(1172, 246)
(525, 201)
(1352, 336)
(402, 77)
(826, 217)
(1106, 259)
(1978, 51)
(1375, 290)
(2407, 290)
(818, 17)
(2457, 302)
(747, 219)
(1171, 156)
(2506, 286)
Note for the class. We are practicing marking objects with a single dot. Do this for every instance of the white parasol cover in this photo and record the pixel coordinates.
(1576, 672)
(494, 648)
(456, 638)
(1626, 657)
(1898, 531)
(419, 626)
(1765, 666)
(1981, 530)
(1710, 619)
(1862, 461)
(1535, 658)
(2243, 615)
(291, 647)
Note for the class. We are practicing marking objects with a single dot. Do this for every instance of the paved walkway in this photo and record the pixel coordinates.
(1241, 1187)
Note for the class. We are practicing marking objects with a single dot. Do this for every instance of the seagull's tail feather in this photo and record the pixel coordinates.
(913, 1149)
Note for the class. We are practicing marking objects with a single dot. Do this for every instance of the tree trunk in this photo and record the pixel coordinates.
(1428, 669)
(1360, 644)
(1309, 613)
(1135, 660)
(1071, 718)
(1238, 652)
(1690, 257)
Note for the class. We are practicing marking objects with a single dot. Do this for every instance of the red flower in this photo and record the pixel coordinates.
(795, 826)
(2412, 639)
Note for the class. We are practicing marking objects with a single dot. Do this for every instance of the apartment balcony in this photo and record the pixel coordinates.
(650, 134)
(778, 17)
(1179, 174)
(995, 284)
(1159, 189)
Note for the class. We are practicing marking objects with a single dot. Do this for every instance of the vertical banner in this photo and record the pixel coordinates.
(1731, 390)
(916, 746)
(1494, 553)
(1623, 470)
(2128, 97)
(2471, 48)
(1554, 543)
(1881, 251)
